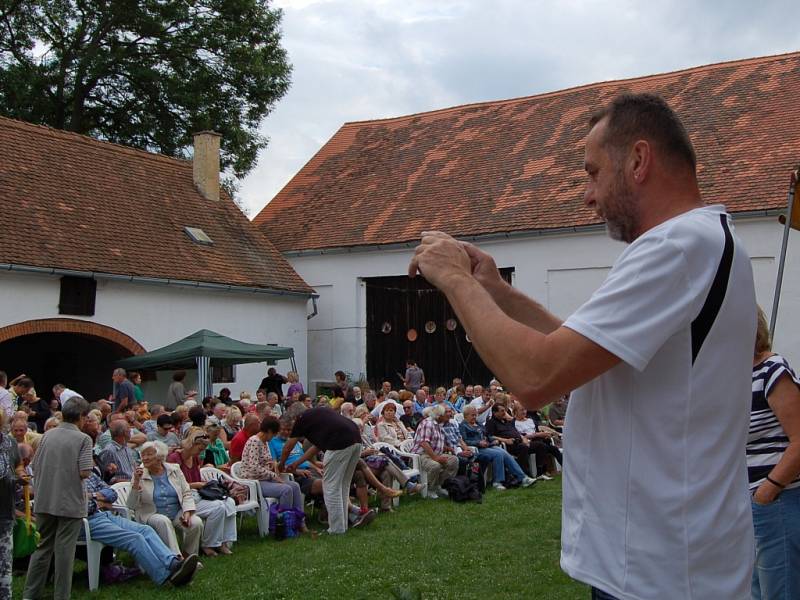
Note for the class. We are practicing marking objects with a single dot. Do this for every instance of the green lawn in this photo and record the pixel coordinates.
(507, 547)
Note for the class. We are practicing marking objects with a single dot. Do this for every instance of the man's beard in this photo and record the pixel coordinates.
(621, 211)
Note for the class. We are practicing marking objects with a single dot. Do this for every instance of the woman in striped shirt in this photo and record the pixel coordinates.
(773, 464)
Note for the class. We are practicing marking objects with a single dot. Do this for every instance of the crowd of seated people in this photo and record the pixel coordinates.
(157, 454)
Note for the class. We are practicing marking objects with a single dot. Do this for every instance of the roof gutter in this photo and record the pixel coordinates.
(154, 280)
(497, 236)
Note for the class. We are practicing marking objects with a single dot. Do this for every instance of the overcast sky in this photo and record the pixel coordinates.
(366, 59)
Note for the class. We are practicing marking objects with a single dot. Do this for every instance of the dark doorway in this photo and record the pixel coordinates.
(397, 304)
(81, 362)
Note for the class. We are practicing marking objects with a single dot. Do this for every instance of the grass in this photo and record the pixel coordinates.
(507, 547)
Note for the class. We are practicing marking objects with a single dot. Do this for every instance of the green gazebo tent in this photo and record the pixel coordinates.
(205, 349)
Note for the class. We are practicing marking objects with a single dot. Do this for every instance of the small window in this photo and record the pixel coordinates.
(198, 236)
(223, 374)
(77, 296)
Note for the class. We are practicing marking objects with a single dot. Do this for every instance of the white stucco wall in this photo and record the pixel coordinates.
(156, 315)
(559, 271)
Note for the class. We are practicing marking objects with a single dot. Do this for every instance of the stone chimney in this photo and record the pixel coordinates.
(206, 163)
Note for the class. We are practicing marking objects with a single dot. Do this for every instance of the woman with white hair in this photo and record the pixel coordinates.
(435, 458)
(232, 424)
(161, 497)
(219, 516)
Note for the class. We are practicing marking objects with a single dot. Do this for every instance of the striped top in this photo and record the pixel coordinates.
(766, 440)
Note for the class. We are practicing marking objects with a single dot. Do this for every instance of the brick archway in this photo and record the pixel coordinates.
(71, 326)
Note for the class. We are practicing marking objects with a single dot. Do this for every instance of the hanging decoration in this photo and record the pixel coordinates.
(412, 335)
(430, 327)
(386, 327)
(451, 324)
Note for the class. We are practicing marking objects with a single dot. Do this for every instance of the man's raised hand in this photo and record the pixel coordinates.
(484, 269)
(440, 259)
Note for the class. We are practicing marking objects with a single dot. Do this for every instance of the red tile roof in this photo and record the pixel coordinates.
(72, 202)
(517, 165)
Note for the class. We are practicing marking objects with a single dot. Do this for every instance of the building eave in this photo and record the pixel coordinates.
(496, 236)
(206, 285)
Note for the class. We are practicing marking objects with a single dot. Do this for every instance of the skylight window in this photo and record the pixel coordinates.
(198, 236)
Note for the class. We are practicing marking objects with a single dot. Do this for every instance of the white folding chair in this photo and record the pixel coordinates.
(408, 472)
(405, 451)
(262, 513)
(93, 547)
(123, 490)
(251, 506)
(93, 550)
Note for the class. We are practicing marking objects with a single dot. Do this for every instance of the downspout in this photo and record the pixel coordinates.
(315, 311)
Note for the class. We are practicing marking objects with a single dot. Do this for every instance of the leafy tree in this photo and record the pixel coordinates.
(147, 73)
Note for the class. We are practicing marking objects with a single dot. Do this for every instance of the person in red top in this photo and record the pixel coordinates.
(251, 426)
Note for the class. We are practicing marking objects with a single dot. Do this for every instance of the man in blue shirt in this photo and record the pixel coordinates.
(141, 541)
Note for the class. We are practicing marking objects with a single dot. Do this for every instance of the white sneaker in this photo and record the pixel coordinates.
(544, 477)
(527, 481)
(442, 493)
(432, 496)
(499, 487)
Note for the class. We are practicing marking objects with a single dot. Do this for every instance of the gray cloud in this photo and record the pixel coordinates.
(365, 59)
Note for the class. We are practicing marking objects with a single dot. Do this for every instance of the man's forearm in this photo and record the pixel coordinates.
(312, 451)
(429, 450)
(523, 309)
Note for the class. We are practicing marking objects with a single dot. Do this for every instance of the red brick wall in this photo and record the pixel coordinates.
(71, 326)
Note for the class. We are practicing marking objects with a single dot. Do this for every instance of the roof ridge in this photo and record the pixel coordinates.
(87, 139)
(695, 69)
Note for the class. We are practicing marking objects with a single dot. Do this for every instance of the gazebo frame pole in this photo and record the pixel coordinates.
(786, 227)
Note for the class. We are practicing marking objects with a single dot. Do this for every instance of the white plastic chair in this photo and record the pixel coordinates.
(123, 490)
(251, 506)
(405, 451)
(408, 472)
(262, 513)
(93, 550)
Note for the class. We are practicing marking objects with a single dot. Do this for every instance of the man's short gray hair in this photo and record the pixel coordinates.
(160, 448)
(434, 411)
(118, 428)
(119, 371)
(295, 410)
(73, 409)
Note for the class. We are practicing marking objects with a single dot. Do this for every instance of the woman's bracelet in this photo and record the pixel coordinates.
(775, 483)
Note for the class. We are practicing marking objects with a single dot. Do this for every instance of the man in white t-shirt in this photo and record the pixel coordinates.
(655, 481)
(63, 393)
(483, 403)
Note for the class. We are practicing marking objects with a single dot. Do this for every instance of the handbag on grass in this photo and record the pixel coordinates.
(26, 536)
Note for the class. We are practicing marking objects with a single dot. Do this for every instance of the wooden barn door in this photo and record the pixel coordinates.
(397, 304)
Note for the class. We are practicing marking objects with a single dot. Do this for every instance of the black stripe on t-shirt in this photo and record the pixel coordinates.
(770, 450)
(701, 326)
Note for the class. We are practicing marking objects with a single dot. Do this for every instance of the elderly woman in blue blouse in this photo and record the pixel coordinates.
(161, 497)
(474, 434)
